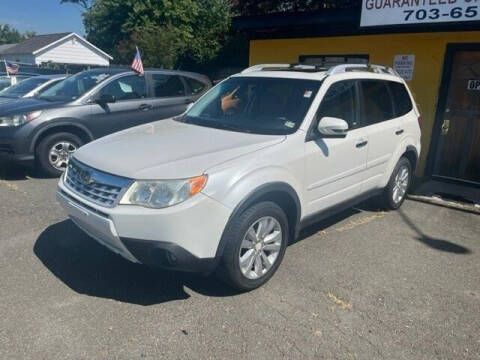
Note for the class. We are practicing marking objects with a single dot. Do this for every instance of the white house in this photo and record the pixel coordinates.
(62, 48)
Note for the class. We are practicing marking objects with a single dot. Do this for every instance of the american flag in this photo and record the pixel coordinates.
(137, 64)
(11, 68)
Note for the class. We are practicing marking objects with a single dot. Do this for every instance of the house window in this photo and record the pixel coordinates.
(332, 60)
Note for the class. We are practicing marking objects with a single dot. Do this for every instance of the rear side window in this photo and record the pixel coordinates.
(196, 87)
(339, 102)
(130, 87)
(401, 98)
(377, 101)
(167, 85)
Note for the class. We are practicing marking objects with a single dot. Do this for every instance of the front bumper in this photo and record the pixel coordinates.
(15, 146)
(183, 237)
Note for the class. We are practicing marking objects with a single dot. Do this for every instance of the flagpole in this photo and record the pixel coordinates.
(8, 74)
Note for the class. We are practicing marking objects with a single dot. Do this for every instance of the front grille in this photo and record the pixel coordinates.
(97, 186)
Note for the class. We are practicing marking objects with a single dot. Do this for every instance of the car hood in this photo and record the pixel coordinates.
(169, 149)
(4, 100)
(24, 105)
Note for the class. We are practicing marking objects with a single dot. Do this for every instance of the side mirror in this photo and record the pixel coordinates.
(105, 99)
(331, 126)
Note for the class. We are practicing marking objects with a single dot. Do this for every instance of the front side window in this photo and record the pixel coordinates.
(377, 101)
(130, 87)
(167, 85)
(196, 87)
(339, 102)
(75, 86)
(255, 105)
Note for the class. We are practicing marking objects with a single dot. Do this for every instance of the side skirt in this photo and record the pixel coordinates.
(326, 213)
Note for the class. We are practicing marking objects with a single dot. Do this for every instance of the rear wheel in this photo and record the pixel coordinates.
(397, 187)
(256, 243)
(53, 152)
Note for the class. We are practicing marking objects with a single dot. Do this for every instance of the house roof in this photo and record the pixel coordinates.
(30, 45)
(4, 47)
(37, 43)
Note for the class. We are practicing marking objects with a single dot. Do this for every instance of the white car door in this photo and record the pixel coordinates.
(383, 130)
(335, 166)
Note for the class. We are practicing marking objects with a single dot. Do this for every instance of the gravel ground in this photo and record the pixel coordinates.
(362, 285)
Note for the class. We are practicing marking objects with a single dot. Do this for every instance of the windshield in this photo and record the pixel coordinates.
(23, 87)
(255, 104)
(73, 87)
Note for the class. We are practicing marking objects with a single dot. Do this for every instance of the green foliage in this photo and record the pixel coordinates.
(165, 30)
(261, 7)
(10, 35)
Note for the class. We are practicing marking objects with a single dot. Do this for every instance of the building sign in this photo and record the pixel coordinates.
(402, 12)
(403, 65)
(473, 85)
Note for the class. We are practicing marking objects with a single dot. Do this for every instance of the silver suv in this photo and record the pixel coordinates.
(229, 183)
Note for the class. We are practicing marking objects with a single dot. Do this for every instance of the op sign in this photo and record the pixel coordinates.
(400, 12)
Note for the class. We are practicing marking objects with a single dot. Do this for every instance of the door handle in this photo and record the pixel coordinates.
(399, 132)
(145, 107)
(445, 127)
(361, 143)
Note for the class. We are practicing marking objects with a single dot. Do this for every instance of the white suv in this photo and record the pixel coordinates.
(228, 184)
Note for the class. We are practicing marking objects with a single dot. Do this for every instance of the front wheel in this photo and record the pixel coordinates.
(256, 243)
(53, 152)
(397, 187)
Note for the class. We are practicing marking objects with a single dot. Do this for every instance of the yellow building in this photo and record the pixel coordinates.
(440, 61)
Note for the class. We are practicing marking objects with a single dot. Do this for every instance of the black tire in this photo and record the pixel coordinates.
(42, 151)
(388, 201)
(229, 269)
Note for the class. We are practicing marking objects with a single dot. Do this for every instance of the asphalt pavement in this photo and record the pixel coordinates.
(365, 284)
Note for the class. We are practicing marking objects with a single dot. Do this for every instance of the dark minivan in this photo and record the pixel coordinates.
(48, 128)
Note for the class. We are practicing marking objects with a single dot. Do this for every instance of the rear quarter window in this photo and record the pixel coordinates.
(401, 99)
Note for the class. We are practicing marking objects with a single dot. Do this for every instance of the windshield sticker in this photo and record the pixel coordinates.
(289, 124)
(307, 94)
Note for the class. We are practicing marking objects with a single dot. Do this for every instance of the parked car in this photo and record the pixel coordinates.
(6, 81)
(52, 126)
(29, 87)
(229, 183)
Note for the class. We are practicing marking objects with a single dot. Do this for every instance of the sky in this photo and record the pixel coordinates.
(41, 16)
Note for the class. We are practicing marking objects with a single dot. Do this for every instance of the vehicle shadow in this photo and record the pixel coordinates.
(12, 171)
(434, 243)
(89, 268)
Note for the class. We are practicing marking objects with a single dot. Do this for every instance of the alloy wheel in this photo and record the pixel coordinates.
(400, 184)
(60, 153)
(260, 247)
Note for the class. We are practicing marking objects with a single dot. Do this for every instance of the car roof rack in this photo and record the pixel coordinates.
(285, 67)
(329, 70)
(379, 69)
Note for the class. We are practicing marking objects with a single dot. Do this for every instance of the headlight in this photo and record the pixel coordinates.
(163, 193)
(20, 119)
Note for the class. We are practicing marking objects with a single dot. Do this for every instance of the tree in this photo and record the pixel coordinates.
(261, 7)
(10, 35)
(166, 31)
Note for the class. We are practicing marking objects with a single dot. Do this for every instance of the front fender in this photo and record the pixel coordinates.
(231, 191)
(47, 125)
